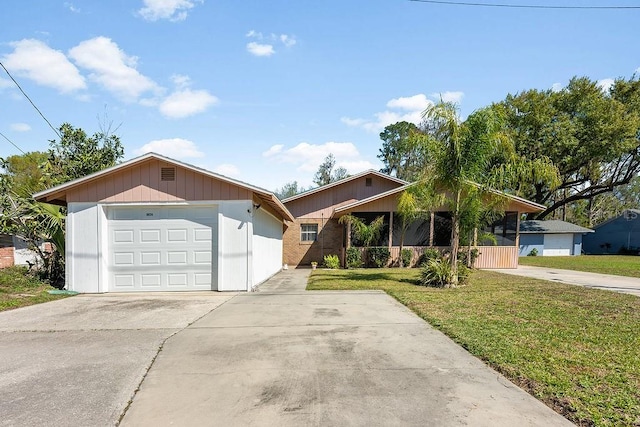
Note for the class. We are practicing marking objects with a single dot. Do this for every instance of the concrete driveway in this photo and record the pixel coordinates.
(78, 361)
(287, 357)
(608, 282)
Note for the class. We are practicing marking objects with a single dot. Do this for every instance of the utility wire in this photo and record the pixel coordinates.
(520, 6)
(11, 142)
(34, 105)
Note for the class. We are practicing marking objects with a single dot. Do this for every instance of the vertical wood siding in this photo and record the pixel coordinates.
(141, 183)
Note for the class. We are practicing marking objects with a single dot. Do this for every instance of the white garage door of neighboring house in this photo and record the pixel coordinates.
(557, 244)
(158, 248)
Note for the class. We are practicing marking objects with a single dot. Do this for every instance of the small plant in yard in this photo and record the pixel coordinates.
(378, 256)
(407, 256)
(332, 261)
(314, 264)
(533, 252)
(19, 288)
(429, 254)
(354, 258)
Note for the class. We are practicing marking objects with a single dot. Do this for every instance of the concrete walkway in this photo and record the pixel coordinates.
(609, 282)
(287, 357)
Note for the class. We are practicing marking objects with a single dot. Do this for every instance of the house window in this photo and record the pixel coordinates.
(367, 182)
(308, 232)
(167, 174)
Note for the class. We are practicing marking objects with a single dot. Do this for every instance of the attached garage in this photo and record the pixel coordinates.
(551, 238)
(155, 224)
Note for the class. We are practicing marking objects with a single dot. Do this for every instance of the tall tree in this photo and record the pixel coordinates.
(328, 173)
(402, 153)
(591, 135)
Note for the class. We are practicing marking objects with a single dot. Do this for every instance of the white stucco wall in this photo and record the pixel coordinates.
(267, 246)
(83, 250)
(234, 245)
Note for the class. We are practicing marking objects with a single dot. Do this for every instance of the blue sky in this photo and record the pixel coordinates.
(263, 90)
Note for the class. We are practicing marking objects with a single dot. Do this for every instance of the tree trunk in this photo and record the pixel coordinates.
(455, 240)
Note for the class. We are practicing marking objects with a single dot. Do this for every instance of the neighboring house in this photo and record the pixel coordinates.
(156, 224)
(317, 232)
(615, 235)
(15, 251)
(551, 238)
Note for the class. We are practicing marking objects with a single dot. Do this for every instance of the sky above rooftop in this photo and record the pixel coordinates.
(262, 90)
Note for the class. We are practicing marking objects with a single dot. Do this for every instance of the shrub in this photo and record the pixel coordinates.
(462, 256)
(331, 261)
(533, 252)
(437, 273)
(406, 256)
(378, 256)
(354, 258)
(429, 254)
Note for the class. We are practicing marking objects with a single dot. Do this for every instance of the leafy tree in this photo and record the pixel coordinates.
(409, 210)
(366, 233)
(326, 173)
(24, 172)
(590, 135)
(76, 154)
(402, 152)
(289, 189)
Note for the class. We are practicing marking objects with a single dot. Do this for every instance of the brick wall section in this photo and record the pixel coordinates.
(329, 242)
(6, 257)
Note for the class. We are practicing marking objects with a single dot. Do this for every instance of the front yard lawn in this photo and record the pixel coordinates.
(574, 348)
(620, 265)
(18, 289)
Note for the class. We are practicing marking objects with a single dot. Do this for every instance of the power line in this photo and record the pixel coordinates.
(27, 96)
(11, 142)
(520, 6)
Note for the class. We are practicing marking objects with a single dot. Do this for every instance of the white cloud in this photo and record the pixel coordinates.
(186, 102)
(173, 10)
(307, 157)
(5, 83)
(227, 170)
(287, 40)
(605, 84)
(112, 68)
(556, 87)
(36, 61)
(410, 103)
(181, 81)
(259, 49)
(20, 127)
(449, 96)
(71, 7)
(177, 148)
(266, 45)
(408, 109)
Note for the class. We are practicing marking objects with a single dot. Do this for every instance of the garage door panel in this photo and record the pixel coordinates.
(171, 249)
(557, 244)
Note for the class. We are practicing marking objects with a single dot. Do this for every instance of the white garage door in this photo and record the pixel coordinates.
(162, 248)
(557, 244)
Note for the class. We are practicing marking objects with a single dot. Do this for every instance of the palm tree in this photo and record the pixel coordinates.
(471, 159)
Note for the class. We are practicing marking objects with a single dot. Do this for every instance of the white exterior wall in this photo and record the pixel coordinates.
(22, 255)
(267, 246)
(234, 245)
(83, 251)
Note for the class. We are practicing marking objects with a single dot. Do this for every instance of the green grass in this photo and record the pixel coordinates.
(620, 265)
(576, 349)
(18, 289)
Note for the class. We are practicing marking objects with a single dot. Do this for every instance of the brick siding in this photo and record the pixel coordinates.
(6, 257)
(329, 242)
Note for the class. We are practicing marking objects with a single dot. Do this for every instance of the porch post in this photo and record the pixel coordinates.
(431, 228)
(348, 235)
(390, 230)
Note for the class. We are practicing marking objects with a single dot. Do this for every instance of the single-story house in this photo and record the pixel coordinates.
(156, 224)
(615, 235)
(316, 231)
(551, 238)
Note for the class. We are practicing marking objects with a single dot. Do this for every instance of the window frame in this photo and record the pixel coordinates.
(306, 233)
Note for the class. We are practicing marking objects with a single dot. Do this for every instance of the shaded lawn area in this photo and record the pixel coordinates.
(620, 265)
(18, 289)
(574, 348)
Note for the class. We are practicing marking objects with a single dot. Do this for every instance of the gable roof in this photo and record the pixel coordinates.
(634, 212)
(344, 181)
(58, 193)
(535, 207)
(552, 226)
